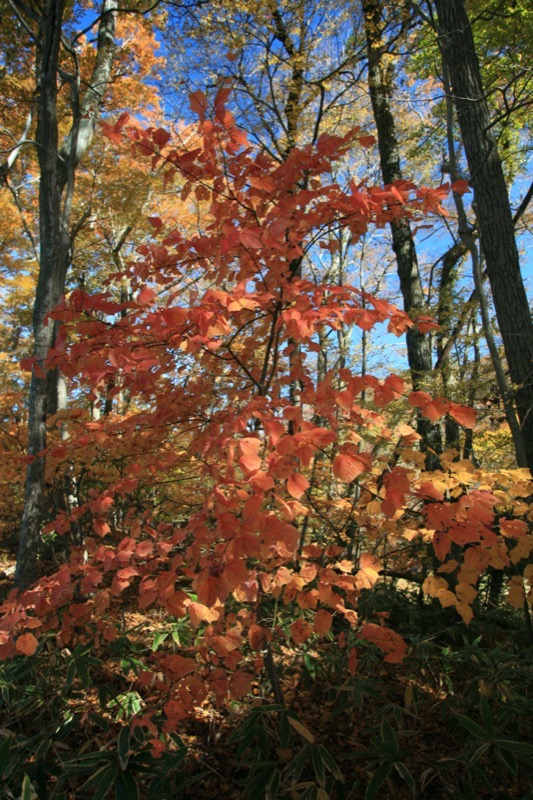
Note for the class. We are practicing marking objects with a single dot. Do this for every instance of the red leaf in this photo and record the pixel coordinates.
(198, 103)
(251, 237)
(146, 296)
(156, 223)
(347, 466)
(160, 137)
(464, 415)
(419, 399)
(461, 187)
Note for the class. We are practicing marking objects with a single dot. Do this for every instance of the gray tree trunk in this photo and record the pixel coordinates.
(380, 82)
(56, 187)
(492, 205)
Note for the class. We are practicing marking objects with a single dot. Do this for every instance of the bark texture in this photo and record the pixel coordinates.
(57, 172)
(380, 81)
(493, 210)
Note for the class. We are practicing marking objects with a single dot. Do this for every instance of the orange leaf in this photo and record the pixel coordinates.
(516, 594)
(347, 466)
(460, 187)
(368, 574)
(352, 661)
(240, 684)
(390, 642)
(261, 481)
(297, 485)
(322, 623)
(27, 644)
(199, 613)
(300, 631)
(258, 637)
(429, 491)
(249, 460)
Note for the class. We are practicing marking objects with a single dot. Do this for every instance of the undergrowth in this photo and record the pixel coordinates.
(452, 722)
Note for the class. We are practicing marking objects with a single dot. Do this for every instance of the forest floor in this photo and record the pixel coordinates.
(452, 721)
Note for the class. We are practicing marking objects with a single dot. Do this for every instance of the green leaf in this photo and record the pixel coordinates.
(71, 673)
(5, 748)
(389, 738)
(102, 780)
(380, 776)
(126, 787)
(310, 665)
(405, 773)
(330, 763)
(159, 788)
(486, 716)
(89, 763)
(176, 637)
(159, 638)
(508, 759)
(520, 748)
(83, 671)
(98, 720)
(318, 765)
(255, 788)
(123, 748)
(27, 789)
(273, 786)
(295, 767)
(481, 750)
(284, 730)
(473, 728)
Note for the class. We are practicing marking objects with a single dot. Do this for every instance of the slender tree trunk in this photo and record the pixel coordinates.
(493, 210)
(56, 187)
(49, 285)
(380, 81)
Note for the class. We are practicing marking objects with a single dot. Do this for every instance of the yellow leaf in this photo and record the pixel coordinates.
(516, 594)
(302, 730)
(432, 585)
(465, 592)
(465, 611)
(446, 598)
(522, 549)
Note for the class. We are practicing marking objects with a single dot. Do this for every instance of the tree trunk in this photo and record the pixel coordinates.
(492, 206)
(49, 285)
(57, 171)
(380, 81)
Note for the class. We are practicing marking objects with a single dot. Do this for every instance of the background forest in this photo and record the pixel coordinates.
(266, 399)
